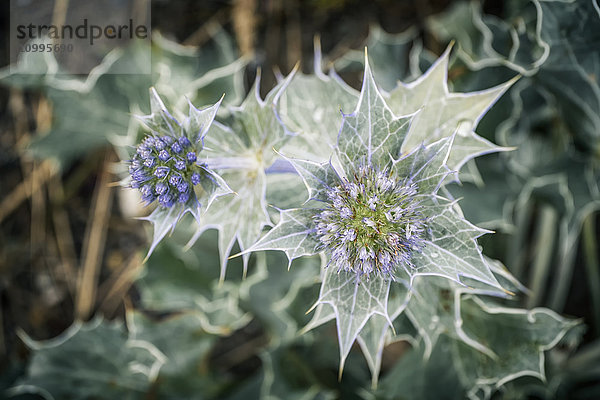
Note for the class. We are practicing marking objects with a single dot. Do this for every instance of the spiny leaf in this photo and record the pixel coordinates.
(354, 301)
(241, 151)
(160, 121)
(91, 360)
(294, 234)
(399, 56)
(516, 338)
(163, 221)
(426, 166)
(258, 123)
(317, 177)
(441, 113)
(239, 218)
(371, 135)
(185, 346)
(377, 332)
(198, 122)
(323, 313)
(451, 249)
(313, 105)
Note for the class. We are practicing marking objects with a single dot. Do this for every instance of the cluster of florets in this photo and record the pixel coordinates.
(372, 224)
(165, 169)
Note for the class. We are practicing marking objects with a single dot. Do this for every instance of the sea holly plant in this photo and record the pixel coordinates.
(167, 169)
(380, 248)
(241, 148)
(376, 211)
(377, 215)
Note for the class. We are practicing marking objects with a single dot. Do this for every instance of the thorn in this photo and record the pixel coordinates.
(340, 372)
(278, 74)
(296, 67)
(393, 329)
(245, 270)
(312, 308)
(374, 382)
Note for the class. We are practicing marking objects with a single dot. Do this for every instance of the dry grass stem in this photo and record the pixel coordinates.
(116, 286)
(94, 241)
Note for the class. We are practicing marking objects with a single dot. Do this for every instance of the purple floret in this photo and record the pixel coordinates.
(195, 178)
(161, 188)
(161, 172)
(183, 197)
(180, 164)
(176, 147)
(166, 200)
(164, 155)
(191, 157)
(175, 179)
(184, 142)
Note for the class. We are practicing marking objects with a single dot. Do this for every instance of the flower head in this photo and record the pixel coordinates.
(372, 222)
(165, 169)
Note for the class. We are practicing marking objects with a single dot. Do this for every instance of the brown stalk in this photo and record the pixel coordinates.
(116, 286)
(25, 189)
(94, 241)
(43, 119)
(244, 25)
(63, 233)
(206, 30)
(293, 35)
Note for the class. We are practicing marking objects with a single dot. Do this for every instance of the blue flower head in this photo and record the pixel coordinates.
(162, 173)
(166, 167)
(372, 222)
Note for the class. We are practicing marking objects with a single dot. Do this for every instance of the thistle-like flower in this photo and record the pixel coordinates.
(375, 212)
(372, 222)
(167, 166)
